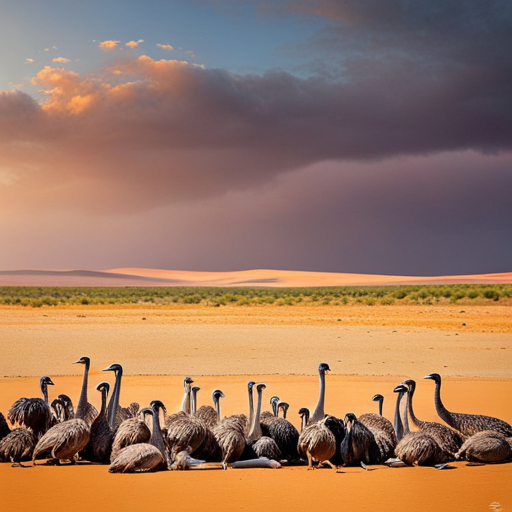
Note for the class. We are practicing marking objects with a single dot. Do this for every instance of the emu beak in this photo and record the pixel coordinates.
(109, 369)
(76, 362)
(428, 377)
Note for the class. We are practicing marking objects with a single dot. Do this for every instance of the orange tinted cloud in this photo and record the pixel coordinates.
(108, 45)
(61, 60)
(165, 46)
(143, 132)
(134, 44)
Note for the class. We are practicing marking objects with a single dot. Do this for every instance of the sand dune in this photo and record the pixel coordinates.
(258, 277)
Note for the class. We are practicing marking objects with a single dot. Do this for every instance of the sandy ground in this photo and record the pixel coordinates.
(369, 350)
(377, 340)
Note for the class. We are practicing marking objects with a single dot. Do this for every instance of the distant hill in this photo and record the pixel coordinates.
(269, 278)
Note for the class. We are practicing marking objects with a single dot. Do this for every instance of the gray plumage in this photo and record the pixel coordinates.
(284, 434)
(208, 414)
(398, 424)
(138, 458)
(359, 444)
(69, 411)
(185, 432)
(382, 430)
(89, 413)
(485, 446)
(286, 437)
(209, 450)
(416, 448)
(378, 421)
(420, 449)
(261, 444)
(63, 441)
(448, 438)
(99, 447)
(304, 418)
(169, 420)
(317, 442)
(131, 431)
(240, 419)
(115, 413)
(231, 438)
(267, 447)
(33, 413)
(58, 411)
(18, 445)
(467, 424)
(383, 433)
(337, 427)
(85, 410)
(266, 416)
(230, 435)
(144, 457)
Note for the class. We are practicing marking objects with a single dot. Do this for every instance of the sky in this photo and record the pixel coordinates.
(331, 135)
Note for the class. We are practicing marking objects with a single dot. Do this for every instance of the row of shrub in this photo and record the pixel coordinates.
(35, 296)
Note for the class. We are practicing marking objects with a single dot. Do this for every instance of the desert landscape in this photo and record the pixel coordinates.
(244, 192)
(370, 349)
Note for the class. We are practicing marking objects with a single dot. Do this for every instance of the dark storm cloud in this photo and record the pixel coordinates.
(412, 78)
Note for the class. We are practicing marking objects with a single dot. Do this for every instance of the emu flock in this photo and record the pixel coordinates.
(131, 439)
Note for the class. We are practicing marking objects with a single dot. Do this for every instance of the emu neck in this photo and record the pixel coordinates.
(82, 403)
(194, 403)
(319, 413)
(157, 439)
(416, 424)
(113, 405)
(104, 393)
(304, 423)
(255, 432)
(217, 407)
(442, 411)
(399, 427)
(44, 390)
(251, 405)
(380, 406)
(185, 405)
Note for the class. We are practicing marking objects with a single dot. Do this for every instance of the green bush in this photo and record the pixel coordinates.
(319, 296)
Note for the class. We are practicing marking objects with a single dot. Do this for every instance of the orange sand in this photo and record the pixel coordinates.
(377, 340)
(243, 342)
(91, 487)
